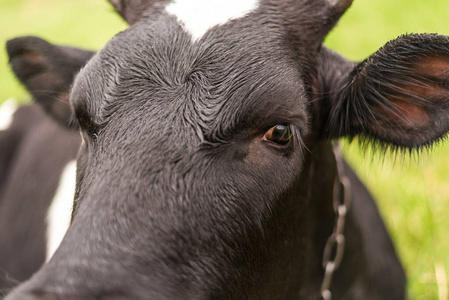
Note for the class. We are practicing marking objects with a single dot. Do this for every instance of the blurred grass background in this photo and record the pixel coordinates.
(412, 191)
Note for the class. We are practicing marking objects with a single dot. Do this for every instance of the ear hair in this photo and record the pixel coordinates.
(398, 96)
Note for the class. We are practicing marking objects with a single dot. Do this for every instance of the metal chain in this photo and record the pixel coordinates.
(335, 245)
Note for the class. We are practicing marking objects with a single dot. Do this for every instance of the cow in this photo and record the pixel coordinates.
(208, 169)
(38, 148)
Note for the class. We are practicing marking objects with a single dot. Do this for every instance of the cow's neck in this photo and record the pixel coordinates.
(320, 214)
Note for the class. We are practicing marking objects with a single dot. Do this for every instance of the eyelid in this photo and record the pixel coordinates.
(86, 123)
(279, 134)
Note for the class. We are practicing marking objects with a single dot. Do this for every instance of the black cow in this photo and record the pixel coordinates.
(207, 169)
(34, 150)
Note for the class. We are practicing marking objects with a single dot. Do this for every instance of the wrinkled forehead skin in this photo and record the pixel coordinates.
(229, 70)
(174, 180)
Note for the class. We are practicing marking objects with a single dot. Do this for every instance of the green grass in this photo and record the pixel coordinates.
(412, 193)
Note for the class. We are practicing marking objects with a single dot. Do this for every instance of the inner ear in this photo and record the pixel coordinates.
(34, 58)
(415, 97)
(405, 100)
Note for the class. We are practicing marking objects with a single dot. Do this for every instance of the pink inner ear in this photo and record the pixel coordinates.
(434, 66)
(49, 79)
(409, 114)
(412, 100)
(34, 58)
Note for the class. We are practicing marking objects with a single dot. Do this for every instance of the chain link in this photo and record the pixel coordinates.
(335, 245)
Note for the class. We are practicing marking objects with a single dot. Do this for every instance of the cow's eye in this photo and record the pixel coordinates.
(279, 134)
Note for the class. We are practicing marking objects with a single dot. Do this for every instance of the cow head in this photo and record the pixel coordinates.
(204, 150)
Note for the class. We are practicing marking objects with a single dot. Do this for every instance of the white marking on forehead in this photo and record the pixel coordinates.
(7, 110)
(59, 213)
(198, 16)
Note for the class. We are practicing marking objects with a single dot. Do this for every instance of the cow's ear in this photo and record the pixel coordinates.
(398, 96)
(133, 10)
(47, 71)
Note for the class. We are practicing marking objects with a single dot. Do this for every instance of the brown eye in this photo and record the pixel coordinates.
(279, 134)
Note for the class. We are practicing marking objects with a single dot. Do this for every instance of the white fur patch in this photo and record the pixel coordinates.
(198, 16)
(59, 213)
(7, 110)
